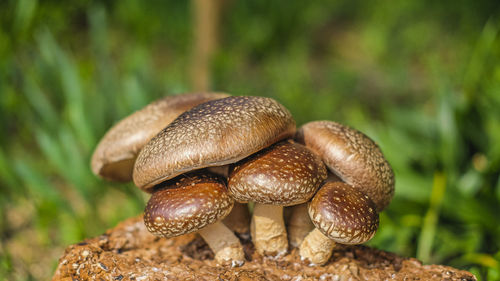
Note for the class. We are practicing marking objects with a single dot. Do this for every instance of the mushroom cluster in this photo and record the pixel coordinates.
(202, 156)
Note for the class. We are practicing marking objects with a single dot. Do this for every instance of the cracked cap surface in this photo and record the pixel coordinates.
(214, 133)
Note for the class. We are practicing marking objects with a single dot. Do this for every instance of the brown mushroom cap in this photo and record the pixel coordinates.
(187, 204)
(214, 133)
(115, 154)
(343, 213)
(284, 174)
(353, 156)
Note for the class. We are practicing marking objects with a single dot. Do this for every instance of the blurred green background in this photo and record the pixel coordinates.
(420, 77)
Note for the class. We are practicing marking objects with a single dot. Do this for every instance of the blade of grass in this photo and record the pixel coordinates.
(429, 226)
(6, 174)
(480, 58)
(482, 259)
(62, 156)
(25, 11)
(66, 71)
(36, 182)
(39, 101)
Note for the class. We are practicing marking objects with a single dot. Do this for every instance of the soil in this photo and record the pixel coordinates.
(130, 252)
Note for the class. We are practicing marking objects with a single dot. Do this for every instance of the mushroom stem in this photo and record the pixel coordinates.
(268, 230)
(239, 219)
(316, 247)
(299, 225)
(220, 170)
(224, 244)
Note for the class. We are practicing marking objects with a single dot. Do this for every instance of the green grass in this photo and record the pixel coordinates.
(422, 78)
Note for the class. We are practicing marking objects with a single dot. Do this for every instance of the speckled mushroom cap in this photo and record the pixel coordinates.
(214, 133)
(353, 156)
(285, 174)
(343, 213)
(187, 204)
(115, 154)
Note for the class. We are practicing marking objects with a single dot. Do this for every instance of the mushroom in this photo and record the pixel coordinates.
(284, 174)
(114, 156)
(341, 214)
(214, 133)
(239, 220)
(195, 202)
(353, 157)
(298, 223)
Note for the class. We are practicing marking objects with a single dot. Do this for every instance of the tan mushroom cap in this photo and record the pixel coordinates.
(214, 133)
(353, 156)
(343, 213)
(115, 154)
(187, 204)
(285, 174)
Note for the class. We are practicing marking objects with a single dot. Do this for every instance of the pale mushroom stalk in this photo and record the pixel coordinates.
(299, 225)
(224, 244)
(268, 229)
(316, 247)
